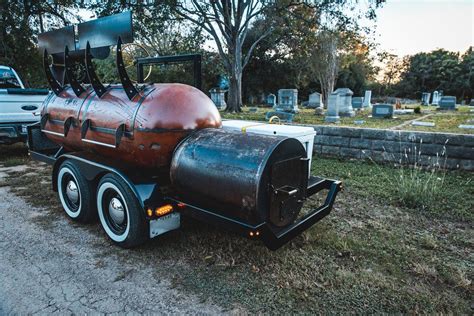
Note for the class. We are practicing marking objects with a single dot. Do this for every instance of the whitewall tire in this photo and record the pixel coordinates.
(75, 193)
(120, 214)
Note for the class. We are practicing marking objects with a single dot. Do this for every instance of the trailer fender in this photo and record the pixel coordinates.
(94, 170)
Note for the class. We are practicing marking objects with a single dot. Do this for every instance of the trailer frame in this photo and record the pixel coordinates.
(148, 192)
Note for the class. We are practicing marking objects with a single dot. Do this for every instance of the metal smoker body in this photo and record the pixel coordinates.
(139, 156)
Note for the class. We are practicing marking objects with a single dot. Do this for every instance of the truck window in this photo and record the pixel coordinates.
(8, 79)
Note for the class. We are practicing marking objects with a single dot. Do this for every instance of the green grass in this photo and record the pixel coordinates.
(445, 121)
(379, 182)
(368, 256)
(12, 155)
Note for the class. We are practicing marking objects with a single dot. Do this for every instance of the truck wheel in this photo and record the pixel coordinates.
(75, 193)
(120, 212)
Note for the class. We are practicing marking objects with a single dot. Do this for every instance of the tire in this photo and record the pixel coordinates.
(120, 213)
(76, 193)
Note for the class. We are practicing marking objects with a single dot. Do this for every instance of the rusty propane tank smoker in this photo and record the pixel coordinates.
(140, 156)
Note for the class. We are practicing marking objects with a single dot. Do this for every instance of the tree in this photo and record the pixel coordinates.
(436, 70)
(20, 23)
(325, 62)
(228, 22)
(465, 79)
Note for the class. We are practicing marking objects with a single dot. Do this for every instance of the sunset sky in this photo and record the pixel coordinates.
(407, 27)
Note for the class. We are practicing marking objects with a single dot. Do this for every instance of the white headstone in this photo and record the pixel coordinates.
(218, 97)
(332, 113)
(435, 98)
(403, 111)
(425, 98)
(345, 102)
(367, 99)
(421, 123)
(315, 100)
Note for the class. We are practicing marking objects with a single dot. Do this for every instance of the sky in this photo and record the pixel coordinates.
(407, 27)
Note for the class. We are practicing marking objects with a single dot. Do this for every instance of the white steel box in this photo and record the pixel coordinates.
(302, 133)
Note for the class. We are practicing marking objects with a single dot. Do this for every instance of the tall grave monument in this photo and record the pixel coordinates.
(425, 98)
(345, 102)
(367, 99)
(332, 113)
(218, 97)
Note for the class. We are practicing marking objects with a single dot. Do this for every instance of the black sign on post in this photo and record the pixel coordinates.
(195, 58)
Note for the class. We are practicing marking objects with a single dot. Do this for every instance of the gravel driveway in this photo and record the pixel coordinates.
(59, 269)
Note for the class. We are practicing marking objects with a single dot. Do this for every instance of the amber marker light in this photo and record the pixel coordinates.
(163, 210)
(149, 212)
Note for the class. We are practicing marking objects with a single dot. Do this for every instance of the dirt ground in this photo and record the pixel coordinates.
(69, 269)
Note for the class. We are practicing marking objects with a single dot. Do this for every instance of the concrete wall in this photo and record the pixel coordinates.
(454, 151)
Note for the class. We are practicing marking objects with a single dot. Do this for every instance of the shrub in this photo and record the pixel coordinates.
(419, 182)
(417, 110)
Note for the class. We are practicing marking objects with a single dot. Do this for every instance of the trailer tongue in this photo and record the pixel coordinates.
(140, 156)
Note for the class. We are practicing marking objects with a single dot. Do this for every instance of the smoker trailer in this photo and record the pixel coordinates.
(138, 156)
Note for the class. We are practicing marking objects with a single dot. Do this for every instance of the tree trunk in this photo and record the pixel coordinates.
(234, 99)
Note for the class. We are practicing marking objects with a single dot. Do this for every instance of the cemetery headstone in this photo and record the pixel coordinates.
(382, 110)
(447, 103)
(271, 100)
(357, 102)
(472, 102)
(332, 113)
(252, 110)
(367, 99)
(287, 100)
(425, 98)
(315, 100)
(435, 100)
(403, 111)
(466, 126)
(421, 123)
(218, 97)
(345, 101)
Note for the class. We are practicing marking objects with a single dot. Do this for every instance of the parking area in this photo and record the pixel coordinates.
(48, 264)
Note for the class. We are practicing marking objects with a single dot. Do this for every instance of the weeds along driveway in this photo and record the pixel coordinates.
(367, 256)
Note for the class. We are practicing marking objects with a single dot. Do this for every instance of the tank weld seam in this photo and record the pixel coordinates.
(139, 104)
(163, 130)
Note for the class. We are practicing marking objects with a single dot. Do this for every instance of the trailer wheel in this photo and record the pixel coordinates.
(75, 193)
(120, 212)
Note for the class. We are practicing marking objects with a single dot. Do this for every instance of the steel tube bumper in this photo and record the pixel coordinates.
(274, 240)
(272, 237)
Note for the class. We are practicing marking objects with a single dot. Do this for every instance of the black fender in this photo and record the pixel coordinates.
(146, 191)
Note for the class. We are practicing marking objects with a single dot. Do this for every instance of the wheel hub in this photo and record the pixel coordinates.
(72, 192)
(116, 211)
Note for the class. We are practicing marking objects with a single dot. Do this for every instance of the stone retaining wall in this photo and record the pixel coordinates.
(454, 151)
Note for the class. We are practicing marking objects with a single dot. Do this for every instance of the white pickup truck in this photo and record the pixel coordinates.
(19, 106)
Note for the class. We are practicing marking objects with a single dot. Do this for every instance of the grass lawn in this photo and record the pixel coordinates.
(445, 121)
(370, 255)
